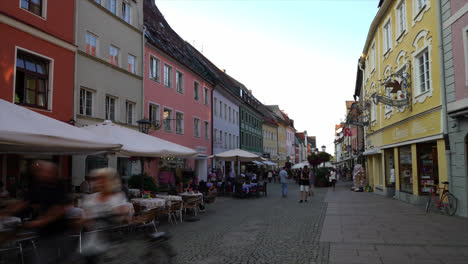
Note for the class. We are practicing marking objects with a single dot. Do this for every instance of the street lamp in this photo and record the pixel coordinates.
(324, 148)
(143, 125)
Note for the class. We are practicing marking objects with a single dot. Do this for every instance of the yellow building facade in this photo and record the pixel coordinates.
(270, 140)
(401, 84)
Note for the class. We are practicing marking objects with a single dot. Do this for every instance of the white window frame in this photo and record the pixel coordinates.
(220, 109)
(465, 46)
(127, 14)
(43, 11)
(196, 129)
(387, 37)
(85, 105)
(206, 128)
(230, 115)
(220, 138)
(132, 67)
(215, 131)
(225, 111)
(170, 119)
(225, 140)
(50, 83)
(418, 96)
(230, 141)
(424, 54)
(196, 91)
(168, 75)
(130, 119)
(109, 6)
(373, 57)
(179, 83)
(111, 49)
(401, 27)
(182, 131)
(418, 11)
(158, 114)
(153, 71)
(116, 103)
(96, 39)
(206, 94)
(215, 106)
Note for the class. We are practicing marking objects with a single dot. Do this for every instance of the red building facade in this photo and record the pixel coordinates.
(37, 68)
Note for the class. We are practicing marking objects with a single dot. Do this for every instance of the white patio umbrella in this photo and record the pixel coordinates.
(270, 163)
(25, 131)
(237, 155)
(326, 165)
(137, 144)
(300, 165)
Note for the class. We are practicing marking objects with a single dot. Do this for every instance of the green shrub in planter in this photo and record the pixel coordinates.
(148, 183)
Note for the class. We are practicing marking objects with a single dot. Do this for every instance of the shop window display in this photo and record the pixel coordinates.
(406, 178)
(428, 166)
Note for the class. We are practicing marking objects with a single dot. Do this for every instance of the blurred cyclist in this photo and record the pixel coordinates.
(48, 198)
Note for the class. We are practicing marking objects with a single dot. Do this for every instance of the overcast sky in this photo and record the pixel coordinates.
(301, 55)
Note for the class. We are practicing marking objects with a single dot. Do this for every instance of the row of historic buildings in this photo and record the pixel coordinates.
(83, 62)
(411, 101)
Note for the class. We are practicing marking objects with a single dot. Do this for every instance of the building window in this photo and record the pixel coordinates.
(167, 120)
(179, 123)
(167, 75)
(98, 1)
(373, 112)
(33, 6)
(126, 10)
(196, 127)
(221, 138)
(129, 112)
(220, 109)
(406, 169)
(225, 139)
(225, 112)
(215, 106)
(230, 141)
(215, 135)
(179, 82)
(401, 18)
(91, 44)
(32, 80)
(387, 36)
(373, 57)
(110, 108)
(230, 119)
(242, 138)
(131, 63)
(207, 130)
(153, 114)
(196, 91)
(206, 95)
(86, 102)
(114, 55)
(154, 69)
(420, 4)
(111, 6)
(423, 72)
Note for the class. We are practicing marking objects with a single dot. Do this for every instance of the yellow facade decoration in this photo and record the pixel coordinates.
(403, 39)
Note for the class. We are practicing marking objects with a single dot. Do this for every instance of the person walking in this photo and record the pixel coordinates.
(304, 182)
(332, 178)
(283, 175)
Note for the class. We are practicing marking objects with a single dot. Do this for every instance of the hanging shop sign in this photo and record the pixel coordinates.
(389, 101)
(396, 85)
(357, 114)
(347, 132)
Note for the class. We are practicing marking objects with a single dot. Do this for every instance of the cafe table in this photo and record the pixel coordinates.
(169, 197)
(149, 203)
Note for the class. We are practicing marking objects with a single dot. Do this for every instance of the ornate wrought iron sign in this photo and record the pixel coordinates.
(398, 82)
(389, 101)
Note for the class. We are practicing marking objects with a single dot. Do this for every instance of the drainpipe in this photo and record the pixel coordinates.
(143, 71)
(444, 96)
(75, 74)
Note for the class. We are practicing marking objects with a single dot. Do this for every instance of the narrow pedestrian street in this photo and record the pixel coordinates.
(333, 227)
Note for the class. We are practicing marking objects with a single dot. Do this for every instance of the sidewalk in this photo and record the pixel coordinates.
(369, 228)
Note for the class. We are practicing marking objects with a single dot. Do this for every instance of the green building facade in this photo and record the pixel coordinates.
(251, 138)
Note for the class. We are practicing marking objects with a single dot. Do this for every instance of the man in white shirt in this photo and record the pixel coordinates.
(284, 182)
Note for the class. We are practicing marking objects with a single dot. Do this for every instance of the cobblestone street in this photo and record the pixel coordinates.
(270, 229)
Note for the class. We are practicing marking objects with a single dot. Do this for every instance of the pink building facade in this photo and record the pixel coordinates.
(179, 100)
(454, 25)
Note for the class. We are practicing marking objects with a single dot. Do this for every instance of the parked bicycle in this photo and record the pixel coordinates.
(445, 201)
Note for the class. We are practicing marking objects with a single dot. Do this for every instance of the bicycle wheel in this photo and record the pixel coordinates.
(450, 203)
(428, 204)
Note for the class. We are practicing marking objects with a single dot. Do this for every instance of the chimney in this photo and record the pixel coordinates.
(250, 91)
(224, 70)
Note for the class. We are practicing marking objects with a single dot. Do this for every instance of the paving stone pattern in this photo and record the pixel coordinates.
(369, 228)
(265, 230)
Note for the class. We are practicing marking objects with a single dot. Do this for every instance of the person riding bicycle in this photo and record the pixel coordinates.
(107, 207)
(49, 202)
